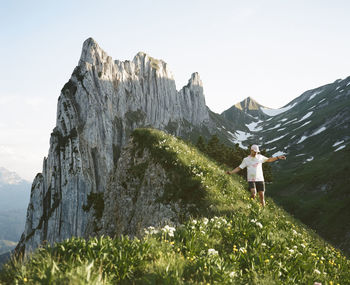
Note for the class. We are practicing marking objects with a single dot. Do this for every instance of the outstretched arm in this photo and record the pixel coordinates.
(237, 169)
(272, 159)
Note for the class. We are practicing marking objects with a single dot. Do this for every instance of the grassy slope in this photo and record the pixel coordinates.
(231, 239)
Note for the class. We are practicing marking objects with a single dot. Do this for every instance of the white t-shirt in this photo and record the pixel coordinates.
(254, 167)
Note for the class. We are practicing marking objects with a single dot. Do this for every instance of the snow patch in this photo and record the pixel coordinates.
(291, 121)
(302, 139)
(341, 147)
(314, 94)
(320, 130)
(306, 123)
(276, 139)
(347, 84)
(306, 116)
(269, 149)
(279, 130)
(253, 126)
(338, 143)
(275, 112)
(275, 127)
(238, 137)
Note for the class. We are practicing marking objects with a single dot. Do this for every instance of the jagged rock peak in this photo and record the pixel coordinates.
(195, 80)
(91, 52)
(248, 104)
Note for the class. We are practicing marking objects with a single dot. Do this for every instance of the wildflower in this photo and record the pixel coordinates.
(263, 244)
(253, 220)
(271, 256)
(267, 260)
(205, 221)
(25, 279)
(232, 274)
(212, 251)
(243, 250)
(317, 271)
(303, 245)
(169, 230)
(235, 248)
(291, 250)
(151, 230)
(259, 225)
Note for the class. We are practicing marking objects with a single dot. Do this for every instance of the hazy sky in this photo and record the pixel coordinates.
(270, 50)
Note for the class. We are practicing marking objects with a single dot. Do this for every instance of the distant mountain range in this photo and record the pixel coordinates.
(14, 199)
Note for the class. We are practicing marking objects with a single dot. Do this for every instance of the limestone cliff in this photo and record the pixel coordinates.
(99, 106)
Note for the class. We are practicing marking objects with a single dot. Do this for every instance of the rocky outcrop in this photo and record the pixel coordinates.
(132, 201)
(99, 106)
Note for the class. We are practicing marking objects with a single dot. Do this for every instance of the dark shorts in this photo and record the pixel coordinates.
(258, 185)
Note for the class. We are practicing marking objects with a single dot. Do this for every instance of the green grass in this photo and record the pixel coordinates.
(232, 240)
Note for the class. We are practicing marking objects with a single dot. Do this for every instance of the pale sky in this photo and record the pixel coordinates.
(270, 50)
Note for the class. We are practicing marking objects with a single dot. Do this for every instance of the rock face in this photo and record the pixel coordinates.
(97, 109)
(133, 195)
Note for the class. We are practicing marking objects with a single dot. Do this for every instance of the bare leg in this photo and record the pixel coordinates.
(253, 191)
(262, 198)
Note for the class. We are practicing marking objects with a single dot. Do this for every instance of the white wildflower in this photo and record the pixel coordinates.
(303, 245)
(291, 250)
(212, 251)
(169, 230)
(232, 274)
(263, 244)
(295, 232)
(253, 220)
(317, 271)
(259, 225)
(205, 221)
(151, 230)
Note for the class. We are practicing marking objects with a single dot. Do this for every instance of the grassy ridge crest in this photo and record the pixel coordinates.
(230, 239)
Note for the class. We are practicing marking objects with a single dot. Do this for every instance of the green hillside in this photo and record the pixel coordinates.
(229, 239)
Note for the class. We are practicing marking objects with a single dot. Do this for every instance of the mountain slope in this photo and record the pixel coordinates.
(231, 240)
(314, 132)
